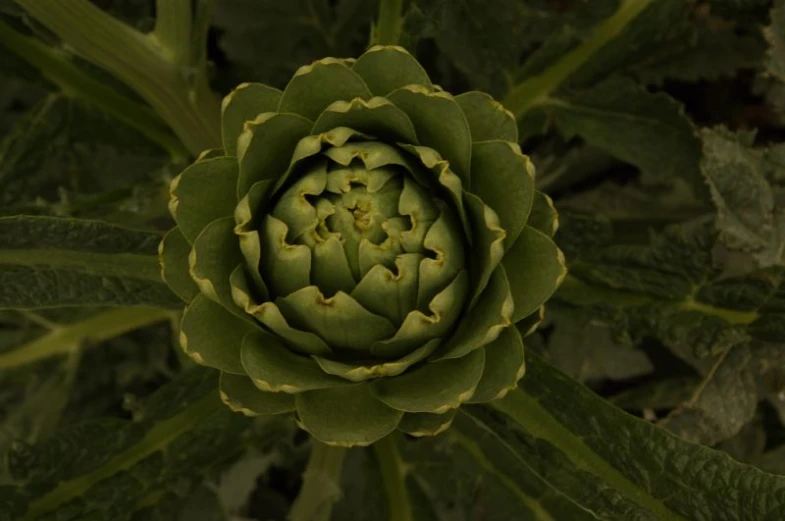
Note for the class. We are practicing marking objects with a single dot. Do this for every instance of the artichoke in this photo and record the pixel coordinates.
(359, 250)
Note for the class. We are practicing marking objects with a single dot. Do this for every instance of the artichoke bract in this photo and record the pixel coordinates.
(360, 249)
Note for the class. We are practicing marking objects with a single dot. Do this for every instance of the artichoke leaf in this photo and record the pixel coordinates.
(390, 294)
(483, 322)
(347, 416)
(440, 124)
(535, 267)
(386, 68)
(285, 267)
(212, 336)
(488, 243)
(268, 314)
(344, 324)
(434, 387)
(265, 147)
(173, 253)
(215, 254)
(313, 87)
(419, 327)
(543, 215)
(241, 395)
(202, 193)
(362, 372)
(420, 424)
(504, 367)
(243, 104)
(488, 119)
(273, 367)
(504, 180)
(377, 117)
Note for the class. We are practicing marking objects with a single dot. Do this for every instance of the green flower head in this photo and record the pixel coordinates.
(359, 250)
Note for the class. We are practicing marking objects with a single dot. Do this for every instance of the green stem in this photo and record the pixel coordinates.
(535, 90)
(173, 29)
(321, 483)
(389, 23)
(394, 477)
(69, 338)
(178, 94)
(74, 82)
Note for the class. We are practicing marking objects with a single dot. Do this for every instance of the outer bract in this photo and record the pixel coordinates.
(359, 250)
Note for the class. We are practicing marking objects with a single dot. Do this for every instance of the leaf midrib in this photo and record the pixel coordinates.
(534, 418)
(131, 265)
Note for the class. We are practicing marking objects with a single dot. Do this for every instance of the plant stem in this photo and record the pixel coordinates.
(394, 477)
(535, 90)
(173, 29)
(179, 94)
(74, 82)
(321, 483)
(389, 23)
(68, 338)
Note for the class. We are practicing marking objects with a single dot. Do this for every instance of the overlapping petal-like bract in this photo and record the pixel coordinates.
(359, 250)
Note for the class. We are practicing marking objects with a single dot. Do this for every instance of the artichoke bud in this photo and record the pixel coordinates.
(358, 252)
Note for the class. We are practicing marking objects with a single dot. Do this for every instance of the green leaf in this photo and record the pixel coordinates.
(213, 336)
(543, 216)
(105, 469)
(314, 87)
(348, 416)
(674, 291)
(215, 254)
(426, 424)
(435, 387)
(202, 193)
(273, 367)
(440, 124)
(593, 453)
(243, 104)
(748, 216)
(269, 48)
(340, 320)
(241, 395)
(647, 130)
(387, 68)
(535, 268)
(723, 403)
(488, 119)
(504, 179)
(173, 254)
(454, 476)
(376, 117)
(504, 366)
(48, 262)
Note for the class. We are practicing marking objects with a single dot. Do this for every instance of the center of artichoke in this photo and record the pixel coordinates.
(346, 227)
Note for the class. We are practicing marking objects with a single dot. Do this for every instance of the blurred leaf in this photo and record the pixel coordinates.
(598, 456)
(588, 351)
(267, 40)
(53, 262)
(749, 217)
(108, 469)
(674, 291)
(647, 130)
(722, 404)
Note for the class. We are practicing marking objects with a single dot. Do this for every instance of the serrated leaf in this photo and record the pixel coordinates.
(748, 216)
(596, 455)
(268, 40)
(722, 404)
(674, 291)
(48, 261)
(105, 470)
(647, 130)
